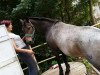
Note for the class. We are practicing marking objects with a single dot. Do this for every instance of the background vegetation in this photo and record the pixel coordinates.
(77, 12)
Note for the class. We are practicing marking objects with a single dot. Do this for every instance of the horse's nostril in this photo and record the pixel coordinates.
(29, 42)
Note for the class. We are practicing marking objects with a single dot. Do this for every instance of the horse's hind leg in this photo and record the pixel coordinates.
(58, 61)
(65, 59)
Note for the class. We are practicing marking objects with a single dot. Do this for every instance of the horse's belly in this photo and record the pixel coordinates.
(71, 49)
(75, 53)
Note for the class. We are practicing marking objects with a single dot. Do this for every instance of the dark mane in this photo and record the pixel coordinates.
(45, 19)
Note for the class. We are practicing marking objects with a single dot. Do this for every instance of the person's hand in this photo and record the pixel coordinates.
(30, 52)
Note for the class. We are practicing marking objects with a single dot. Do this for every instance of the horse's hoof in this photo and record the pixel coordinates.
(61, 73)
(67, 72)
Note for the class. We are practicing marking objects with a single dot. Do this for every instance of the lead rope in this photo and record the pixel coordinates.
(34, 58)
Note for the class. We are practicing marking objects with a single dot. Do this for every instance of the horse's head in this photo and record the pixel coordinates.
(41, 24)
(28, 29)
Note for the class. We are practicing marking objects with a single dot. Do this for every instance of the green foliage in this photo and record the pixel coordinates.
(3, 15)
(86, 63)
(23, 9)
(46, 8)
(82, 10)
(54, 62)
(6, 6)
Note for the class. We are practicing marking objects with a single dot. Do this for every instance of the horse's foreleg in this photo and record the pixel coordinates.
(58, 61)
(65, 59)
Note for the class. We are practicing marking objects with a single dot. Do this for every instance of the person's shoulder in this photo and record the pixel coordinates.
(12, 35)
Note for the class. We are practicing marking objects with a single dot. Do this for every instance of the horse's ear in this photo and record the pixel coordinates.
(21, 21)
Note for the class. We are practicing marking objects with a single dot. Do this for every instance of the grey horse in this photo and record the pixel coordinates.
(71, 40)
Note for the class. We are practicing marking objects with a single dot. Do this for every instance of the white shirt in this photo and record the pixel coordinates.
(19, 42)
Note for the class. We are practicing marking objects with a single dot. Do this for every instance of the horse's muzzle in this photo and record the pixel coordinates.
(29, 40)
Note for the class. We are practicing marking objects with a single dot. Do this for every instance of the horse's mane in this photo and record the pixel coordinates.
(45, 19)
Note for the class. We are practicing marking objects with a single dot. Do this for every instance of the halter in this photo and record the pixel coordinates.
(31, 35)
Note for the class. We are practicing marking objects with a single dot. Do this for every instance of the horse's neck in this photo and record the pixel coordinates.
(45, 27)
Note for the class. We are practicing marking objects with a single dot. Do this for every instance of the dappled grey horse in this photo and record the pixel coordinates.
(71, 40)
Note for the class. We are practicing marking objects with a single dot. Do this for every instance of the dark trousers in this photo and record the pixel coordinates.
(30, 62)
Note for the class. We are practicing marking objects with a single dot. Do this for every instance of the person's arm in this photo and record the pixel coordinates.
(23, 38)
(22, 50)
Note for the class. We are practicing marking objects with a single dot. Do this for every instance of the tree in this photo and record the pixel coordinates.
(91, 12)
(23, 9)
(6, 6)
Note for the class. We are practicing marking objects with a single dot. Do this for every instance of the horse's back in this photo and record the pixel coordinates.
(89, 37)
(71, 37)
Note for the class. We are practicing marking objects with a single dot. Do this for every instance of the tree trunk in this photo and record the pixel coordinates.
(61, 10)
(91, 13)
(67, 11)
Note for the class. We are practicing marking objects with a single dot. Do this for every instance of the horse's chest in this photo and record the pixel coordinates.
(50, 41)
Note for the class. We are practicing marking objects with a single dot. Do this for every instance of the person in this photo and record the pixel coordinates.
(21, 49)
